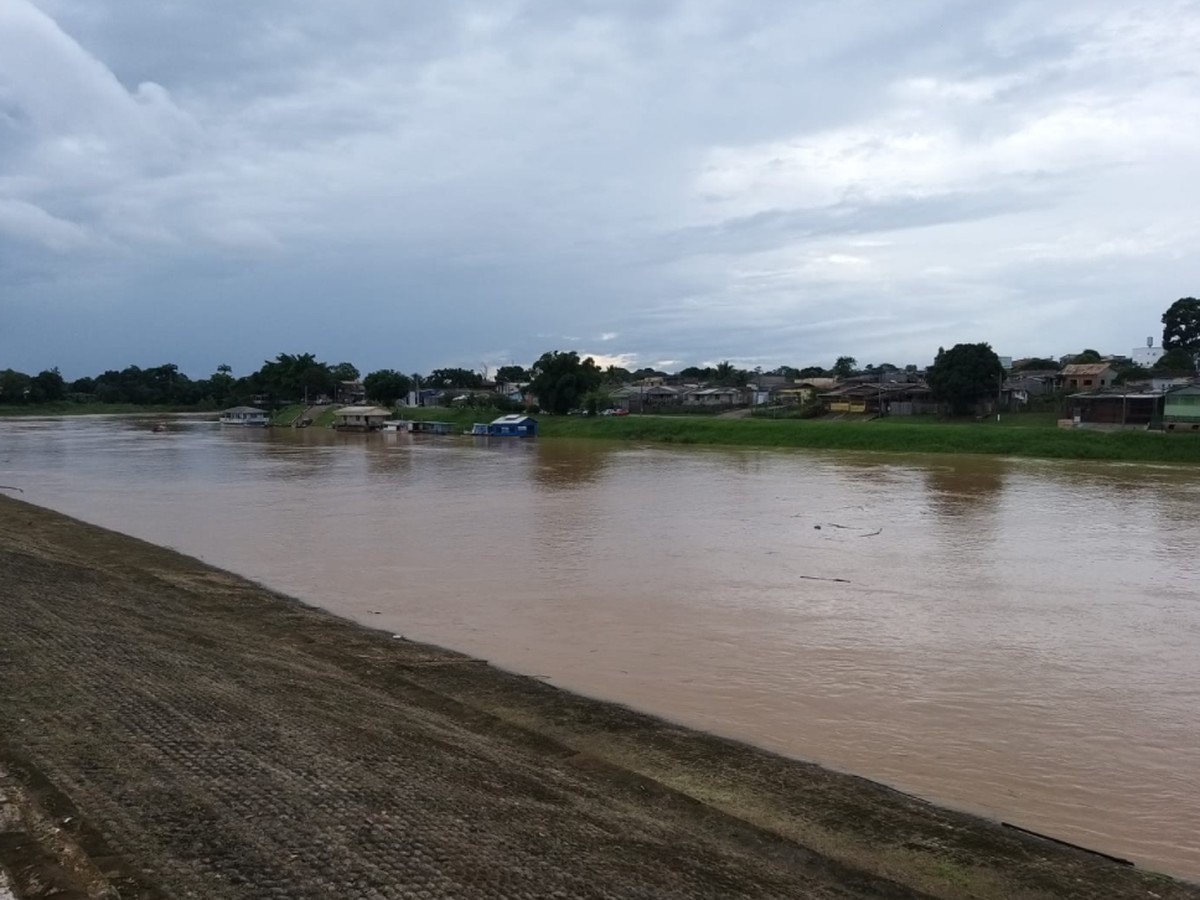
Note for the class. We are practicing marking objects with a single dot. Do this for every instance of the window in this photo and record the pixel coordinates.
(1087, 382)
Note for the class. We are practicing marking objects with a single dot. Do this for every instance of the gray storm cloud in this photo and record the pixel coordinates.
(687, 181)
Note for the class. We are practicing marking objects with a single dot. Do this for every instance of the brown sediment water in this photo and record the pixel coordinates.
(1017, 638)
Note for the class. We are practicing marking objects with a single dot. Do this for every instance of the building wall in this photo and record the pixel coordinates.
(1146, 357)
(1182, 408)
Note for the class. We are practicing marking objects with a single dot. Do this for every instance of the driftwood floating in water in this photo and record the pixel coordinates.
(9, 487)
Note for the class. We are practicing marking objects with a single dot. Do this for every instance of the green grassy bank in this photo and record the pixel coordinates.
(893, 435)
(287, 415)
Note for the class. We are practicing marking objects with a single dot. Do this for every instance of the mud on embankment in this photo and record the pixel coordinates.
(171, 730)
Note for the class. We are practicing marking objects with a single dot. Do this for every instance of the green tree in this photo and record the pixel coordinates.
(291, 376)
(617, 375)
(561, 380)
(963, 375)
(1181, 324)
(1037, 363)
(1131, 372)
(387, 386)
(459, 378)
(1177, 359)
(14, 386)
(1087, 356)
(595, 401)
(845, 366)
(727, 374)
(47, 387)
(818, 372)
(512, 374)
(344, 371)
(646, 372)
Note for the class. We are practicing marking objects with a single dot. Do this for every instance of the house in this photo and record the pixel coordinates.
(514, 425)
(361, 418)
(350, 392)
(893, 398)
(639, 397)
(1164, 383)
(1181, 409)
(428, 426)
(714, 396)
(245, 415)
(1088, 376)
(1019, 388)
(1115, 409)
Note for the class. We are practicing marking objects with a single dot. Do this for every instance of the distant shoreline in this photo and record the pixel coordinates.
(893, 435)
(886, 435)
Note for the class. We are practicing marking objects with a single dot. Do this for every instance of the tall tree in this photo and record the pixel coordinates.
(561, 380)
(1087, 356)
(818, 372)
(1181, 324)
(452, 377)
(727, 374)
(1177, 359)
(963, 375)
(845, 366)
(1037, 363)
(47, 387)
(14, 386)
(512, 374)
(344, 371)
(387, 386)
(290, 376)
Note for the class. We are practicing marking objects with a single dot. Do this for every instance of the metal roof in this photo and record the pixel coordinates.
(245, 410)
(1085, 368)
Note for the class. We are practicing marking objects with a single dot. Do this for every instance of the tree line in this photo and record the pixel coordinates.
(560, 379)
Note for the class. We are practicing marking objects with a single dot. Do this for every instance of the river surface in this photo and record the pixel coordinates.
(1017, 638)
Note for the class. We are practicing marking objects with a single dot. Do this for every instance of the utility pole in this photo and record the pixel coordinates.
(999, 394)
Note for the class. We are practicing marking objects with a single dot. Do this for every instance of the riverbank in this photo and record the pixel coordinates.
(887, 435)
(175, 730)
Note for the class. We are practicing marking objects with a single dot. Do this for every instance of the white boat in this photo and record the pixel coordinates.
(245, 415)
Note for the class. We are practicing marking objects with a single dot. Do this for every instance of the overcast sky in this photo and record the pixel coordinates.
(416, 184)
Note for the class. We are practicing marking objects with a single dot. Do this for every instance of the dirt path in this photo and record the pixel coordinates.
(170, 730)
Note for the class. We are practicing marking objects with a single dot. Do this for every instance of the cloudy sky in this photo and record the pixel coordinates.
(417, 184)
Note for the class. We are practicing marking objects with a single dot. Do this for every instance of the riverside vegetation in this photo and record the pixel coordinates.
(1037, 439)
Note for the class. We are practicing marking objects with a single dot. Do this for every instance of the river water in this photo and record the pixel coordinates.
(1017, 638)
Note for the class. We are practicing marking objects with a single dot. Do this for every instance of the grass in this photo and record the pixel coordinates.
(1029, 436)
(286, 415)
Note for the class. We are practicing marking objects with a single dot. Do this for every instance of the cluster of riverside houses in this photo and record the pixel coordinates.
(1085, 395)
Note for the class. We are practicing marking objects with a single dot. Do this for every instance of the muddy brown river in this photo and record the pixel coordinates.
(1013, 637)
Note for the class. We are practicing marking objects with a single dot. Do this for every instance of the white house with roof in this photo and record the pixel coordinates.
(245, 415)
